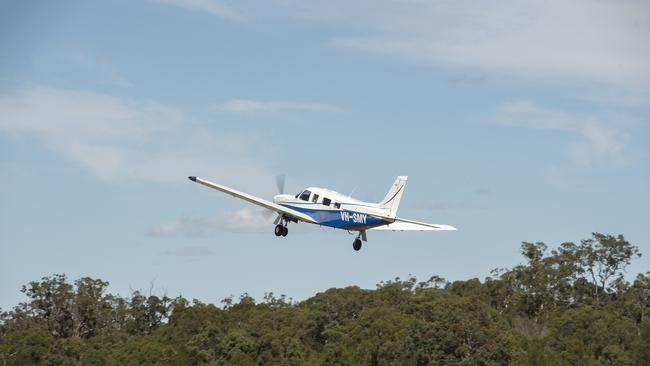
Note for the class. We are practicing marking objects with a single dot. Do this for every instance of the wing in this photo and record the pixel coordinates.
(258, 201)
(410, 225)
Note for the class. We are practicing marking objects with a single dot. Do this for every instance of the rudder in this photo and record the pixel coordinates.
(394, 195)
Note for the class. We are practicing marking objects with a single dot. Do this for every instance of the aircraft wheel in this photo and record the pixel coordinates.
(357, 244)
(285, 231)
(279, 229)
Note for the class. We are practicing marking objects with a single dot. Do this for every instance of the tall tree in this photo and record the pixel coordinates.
(51, 300)
(91, 307)
(603, 258)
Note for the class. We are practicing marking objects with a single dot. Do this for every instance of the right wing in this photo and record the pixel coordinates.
(410, 225)
(256, 200)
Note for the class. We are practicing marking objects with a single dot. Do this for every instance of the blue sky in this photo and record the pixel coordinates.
(514, 122)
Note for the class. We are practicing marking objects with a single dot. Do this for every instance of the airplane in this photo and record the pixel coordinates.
(321, 206)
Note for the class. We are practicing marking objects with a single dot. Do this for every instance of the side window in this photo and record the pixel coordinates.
(337, 205)
(305, 195)
(314, 198)
(326, 201)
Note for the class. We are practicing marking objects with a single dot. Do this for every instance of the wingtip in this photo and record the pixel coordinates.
(192, 178)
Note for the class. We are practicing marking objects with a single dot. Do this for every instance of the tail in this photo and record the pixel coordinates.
(394, 195)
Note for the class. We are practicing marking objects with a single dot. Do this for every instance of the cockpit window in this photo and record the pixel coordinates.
(305, 195)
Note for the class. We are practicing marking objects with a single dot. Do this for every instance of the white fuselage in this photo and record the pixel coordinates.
(330, 208)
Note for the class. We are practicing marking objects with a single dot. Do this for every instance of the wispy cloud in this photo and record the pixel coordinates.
(117, 138)
(85, 60)
(585, 40)
(597, 40)
(638, 98)
(467, 79)
(191, 227)
(254, 106)
(71, 61)
(212, 7)
(600, 141)
(445, 206)
(244, 220)
(194, 251)
(435, 206)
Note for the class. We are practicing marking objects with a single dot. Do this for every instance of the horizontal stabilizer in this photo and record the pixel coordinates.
(410, 225)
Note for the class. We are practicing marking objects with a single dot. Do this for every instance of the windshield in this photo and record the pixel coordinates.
(305, 195)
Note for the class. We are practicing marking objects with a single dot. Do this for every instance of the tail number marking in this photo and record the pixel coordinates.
(357, 218)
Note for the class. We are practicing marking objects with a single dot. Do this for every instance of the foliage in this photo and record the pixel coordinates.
(566, 306)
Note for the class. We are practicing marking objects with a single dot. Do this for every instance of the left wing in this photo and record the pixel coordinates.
(256, 200)
(411, 225)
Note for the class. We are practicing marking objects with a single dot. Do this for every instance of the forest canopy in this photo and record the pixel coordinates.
(570, 305)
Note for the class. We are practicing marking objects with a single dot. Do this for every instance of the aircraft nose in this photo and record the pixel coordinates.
(280, 198)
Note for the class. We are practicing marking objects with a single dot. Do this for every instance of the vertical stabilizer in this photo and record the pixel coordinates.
(394, 195)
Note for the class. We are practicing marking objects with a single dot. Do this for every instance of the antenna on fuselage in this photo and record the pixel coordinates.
(354, 189)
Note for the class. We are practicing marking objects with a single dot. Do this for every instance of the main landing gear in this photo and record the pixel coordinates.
(356, 244)
(281, 230)
(281, 227)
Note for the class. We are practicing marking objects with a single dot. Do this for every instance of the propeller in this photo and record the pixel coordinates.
(279, 181)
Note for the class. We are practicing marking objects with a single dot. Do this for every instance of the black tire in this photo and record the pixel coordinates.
(285, 231)
(279, 229)
(356, 245)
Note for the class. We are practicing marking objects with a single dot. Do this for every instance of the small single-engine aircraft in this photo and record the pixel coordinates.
(325, 207)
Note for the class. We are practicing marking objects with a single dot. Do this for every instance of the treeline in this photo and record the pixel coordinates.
(566, 306)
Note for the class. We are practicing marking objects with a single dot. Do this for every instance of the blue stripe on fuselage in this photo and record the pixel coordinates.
(340, 218)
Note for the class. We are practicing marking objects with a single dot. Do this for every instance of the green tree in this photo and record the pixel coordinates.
(603, 258)
(147, 312)
(142, 351)
(25, 346)
(91, 308)
(51, 301)
(544, 283)
(564, 306)
(642, 346)
(639, 294)
(586, 335)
